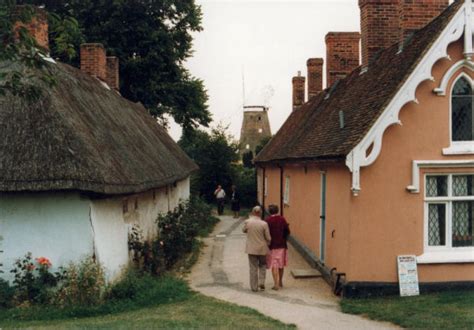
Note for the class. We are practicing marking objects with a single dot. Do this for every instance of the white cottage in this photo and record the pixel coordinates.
(80, 167)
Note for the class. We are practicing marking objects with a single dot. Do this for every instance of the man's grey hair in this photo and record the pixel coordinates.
(257, 210)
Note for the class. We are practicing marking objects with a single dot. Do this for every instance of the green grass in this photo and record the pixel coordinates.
(194, 311)
(453, 310)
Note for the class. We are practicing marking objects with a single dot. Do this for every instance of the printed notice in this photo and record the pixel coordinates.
(408, 276)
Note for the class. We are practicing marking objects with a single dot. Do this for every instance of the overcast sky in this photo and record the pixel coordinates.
(262, 43)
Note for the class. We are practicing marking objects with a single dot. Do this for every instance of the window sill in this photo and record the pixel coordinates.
(446, 257)
(462, 148)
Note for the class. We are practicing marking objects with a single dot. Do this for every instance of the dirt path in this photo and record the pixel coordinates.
(222, 272)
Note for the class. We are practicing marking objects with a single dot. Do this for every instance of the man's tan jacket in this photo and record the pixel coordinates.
(258, 236)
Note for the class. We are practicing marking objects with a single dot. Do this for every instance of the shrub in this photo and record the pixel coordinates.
(82, 284)
(179, 228)
(33, 282)
(6, 294)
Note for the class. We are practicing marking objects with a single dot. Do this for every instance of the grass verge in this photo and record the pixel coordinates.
(154, 302)
(453, 310)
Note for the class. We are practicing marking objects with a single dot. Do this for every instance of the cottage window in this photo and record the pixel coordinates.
(286, 193)
(449, 212)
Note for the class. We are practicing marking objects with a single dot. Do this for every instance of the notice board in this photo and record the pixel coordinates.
(408, 276)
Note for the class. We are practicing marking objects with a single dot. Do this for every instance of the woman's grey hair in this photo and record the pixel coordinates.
(273, 209)
(257, 210)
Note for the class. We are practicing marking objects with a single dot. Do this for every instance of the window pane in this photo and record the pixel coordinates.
(436, 224)
(463, 185)
(462, 223)
(436, 185)
(462, 87)
(461, 121)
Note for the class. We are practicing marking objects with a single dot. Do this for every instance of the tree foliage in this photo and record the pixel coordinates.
(247, 159)
(23, 68)
(152, 38)
(262, 144)
(214, 152)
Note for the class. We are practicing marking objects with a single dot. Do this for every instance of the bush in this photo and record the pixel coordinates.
(246, 181)
(33, 282)
(6, 294)
(82, 284)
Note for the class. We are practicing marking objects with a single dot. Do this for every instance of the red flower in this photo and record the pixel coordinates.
(43, 262)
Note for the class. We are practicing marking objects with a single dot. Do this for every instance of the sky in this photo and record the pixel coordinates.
(258, 46)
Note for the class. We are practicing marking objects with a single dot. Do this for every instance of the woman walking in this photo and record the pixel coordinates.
(277, 258)
(235, 202)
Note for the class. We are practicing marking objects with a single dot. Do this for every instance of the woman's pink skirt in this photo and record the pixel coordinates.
(277, 258)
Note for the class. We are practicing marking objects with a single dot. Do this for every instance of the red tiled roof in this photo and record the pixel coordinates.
(313, 132)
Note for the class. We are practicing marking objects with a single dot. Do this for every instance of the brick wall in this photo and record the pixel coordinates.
(93, 60)
(342, 54)
(315, 76)
(415, 14)
(298, 91)
(37, 26)
(379, 25)
(112, 71)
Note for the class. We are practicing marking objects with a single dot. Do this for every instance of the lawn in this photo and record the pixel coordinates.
(165, 302)
(197, 311)
(454, 310)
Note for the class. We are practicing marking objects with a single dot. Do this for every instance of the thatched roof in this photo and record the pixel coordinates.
(83, 136)
(313, 132)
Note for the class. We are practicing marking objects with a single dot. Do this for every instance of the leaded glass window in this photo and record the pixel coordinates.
(462, 111)
(450, 210)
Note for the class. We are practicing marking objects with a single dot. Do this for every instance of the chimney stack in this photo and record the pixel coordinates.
(342, 55)
(315, 76)
(379, 24)
(414, 15)
(298, 91)
(37, 27)
(113, 72)
(93, 60)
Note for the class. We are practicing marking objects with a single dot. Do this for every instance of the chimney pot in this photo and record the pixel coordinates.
(315, 76)
(298, 91)
(37, 27)
(93, 60)
(342, 55)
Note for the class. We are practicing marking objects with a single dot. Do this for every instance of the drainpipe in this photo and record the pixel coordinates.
(281, 189)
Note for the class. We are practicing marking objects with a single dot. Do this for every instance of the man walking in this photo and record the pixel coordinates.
(220, 199)
(258, 239)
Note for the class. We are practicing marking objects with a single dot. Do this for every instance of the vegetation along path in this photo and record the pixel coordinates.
(222, 272)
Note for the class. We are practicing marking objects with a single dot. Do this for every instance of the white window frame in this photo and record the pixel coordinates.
(447, 253)
(286, 192)
(458, 147)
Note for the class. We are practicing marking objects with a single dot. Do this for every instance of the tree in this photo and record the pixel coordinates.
(247, 159)
(152, 39)
(262, 144)
(215, 154)
(23, 68)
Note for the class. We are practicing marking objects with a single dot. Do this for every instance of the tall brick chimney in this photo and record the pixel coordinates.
(37, 26)
(298, 91)
(315, 76)
(112, 72)
(415, 15)
(379, 24)
(93, 60)
(342, 55)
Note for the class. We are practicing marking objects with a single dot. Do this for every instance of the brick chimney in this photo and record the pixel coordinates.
(414, 15)
(298, 91)
(37, 26)
(379, 24)
(113, 72)
(342, 55)
(93, 60)
(315, 76)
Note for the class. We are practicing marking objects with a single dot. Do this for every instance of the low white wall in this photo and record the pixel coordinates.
(66, 227)
(51, 225)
